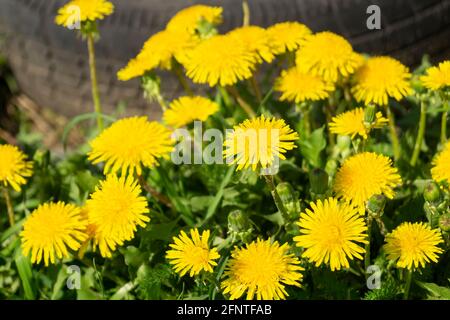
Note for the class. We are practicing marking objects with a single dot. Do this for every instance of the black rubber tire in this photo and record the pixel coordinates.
(50, 63)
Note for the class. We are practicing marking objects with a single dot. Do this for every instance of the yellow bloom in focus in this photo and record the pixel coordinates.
(50, 230)
(263, 269)
(189, 19)
(332, 234)
(192, 254)
(130, 144)
(159, 51)
(328, 55)
(287, 36)
(221, 59)
(297, 86)
(14, 167)
(437, 77)
(114, 211)
(413, 245)
(441, 165)
(257, 41)
(380, 78)
(365, 175)
(257, 142)
(77, 11)
(185, 110)
(351, 123)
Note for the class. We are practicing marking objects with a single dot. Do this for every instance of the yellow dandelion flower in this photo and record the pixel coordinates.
(380, 78)
(287, 36)
(83, 10)
(192, 254)
(437, 77)
(441, 165)
(365, 175)
(257, 41)
(185, 110)
(130, 144)
(332, 233)
(221, 59)
(50, 230)
(258, 142)
(137, 67)
(14, 168)
(413, 245)
(328, 55)
(297, 86)
(159, 51)
(115, 210)
(263, 269)
(351, 123)
(189, 19)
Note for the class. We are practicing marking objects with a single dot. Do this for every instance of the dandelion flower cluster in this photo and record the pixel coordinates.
(297, 86)
(287, 36)
(261, 269)
(257, 41)
(328, 55)
(185, 110)
(351, 123)
(441, 165)
(83, 10)
(437, 77)
(192, 254)
(365, 175)
(380, 78)
(14, 168)
(220, 60)
(114, 211)
(332, 233)
(51, 230)
(413, 245)
(257, 142)
(189, 19)
(130, 144)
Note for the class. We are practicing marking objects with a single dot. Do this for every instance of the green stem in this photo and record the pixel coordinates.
(94, 83)
(256, 89)
(9, 207)
(161, 102)
(246, 13)
(181, 78)
(420, 134)
(277, 198)
(306, 120)
(407, 284)
(393, 132)
(367, 247)
(444, 127)
(244, 105)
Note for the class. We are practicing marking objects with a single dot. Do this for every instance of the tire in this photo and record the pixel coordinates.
(51, 65)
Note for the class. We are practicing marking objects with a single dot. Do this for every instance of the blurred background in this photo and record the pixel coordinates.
(44, 68)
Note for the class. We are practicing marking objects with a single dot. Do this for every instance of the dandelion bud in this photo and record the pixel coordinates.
(286, 192)
(432, 192)
(369, 115)
(238, 221)
(151, 84)
(319, 181)
(376, 203)
(444, 222)
(289, 199)
(239, 226)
